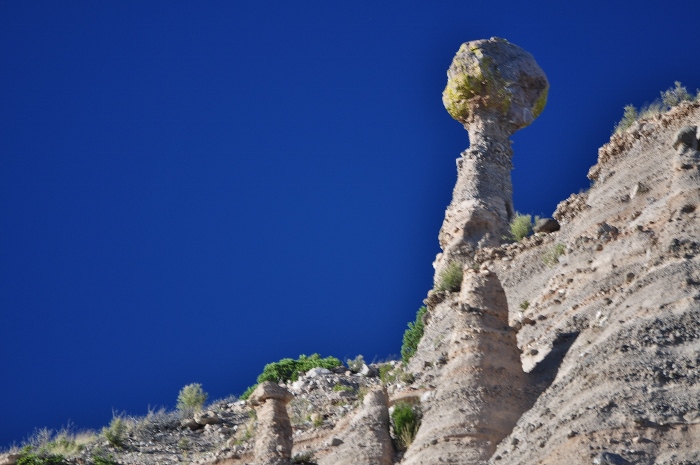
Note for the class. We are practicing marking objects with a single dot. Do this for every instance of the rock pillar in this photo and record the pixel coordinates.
(482, 390)
(366, 441)
(273, 438)
(493, 88)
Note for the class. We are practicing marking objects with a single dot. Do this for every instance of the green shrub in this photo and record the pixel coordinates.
(675, 95)
(342, 387)
(629, 116)
(355, 365)
(387, 374)
(288, 369)
(116, 432)
(191, 398)
(102, 460)
(406, 422)
(451, 278)
(524, 305)
(29, 457)
(248, 392)
(413, 335)
(551, 256)
(520, 227)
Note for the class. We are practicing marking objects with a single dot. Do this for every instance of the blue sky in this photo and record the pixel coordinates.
(190, 190)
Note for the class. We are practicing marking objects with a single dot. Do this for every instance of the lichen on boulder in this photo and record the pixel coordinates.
(495, 76)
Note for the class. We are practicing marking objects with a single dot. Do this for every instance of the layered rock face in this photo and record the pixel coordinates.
(494, 88)
(624, 274)
(480, 391)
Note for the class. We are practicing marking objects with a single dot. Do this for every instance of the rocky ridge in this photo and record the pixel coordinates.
(578, 345)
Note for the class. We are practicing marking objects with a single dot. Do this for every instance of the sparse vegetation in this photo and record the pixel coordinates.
(28, 456)
(524, 305)
(249, 390)
(451, 278)
(246, 433)
(551, 256)
(102, 460)
(116, 432)
(299, 410)
(412, 336)
(521, 227)
(191, 399)
(669, 99)
(306, 458)
(288, 369)
(629, 116)
(355, 364)
(405, 420)
(64, 442)
(387, 375)
(342, 387)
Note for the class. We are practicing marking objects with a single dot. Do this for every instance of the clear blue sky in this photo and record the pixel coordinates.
(189, 190)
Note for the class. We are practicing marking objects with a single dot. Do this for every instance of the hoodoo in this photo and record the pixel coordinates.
(494, 88)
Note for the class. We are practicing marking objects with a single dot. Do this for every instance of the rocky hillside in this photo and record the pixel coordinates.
(579, 344)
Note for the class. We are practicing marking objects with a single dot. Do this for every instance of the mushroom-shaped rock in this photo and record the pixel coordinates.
(497, 77)
(269, 390)
(273, 439)
(494, 88)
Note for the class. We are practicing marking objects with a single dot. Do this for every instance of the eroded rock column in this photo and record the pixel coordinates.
(366, 441)
(273, 438)
(482, 390)
(493, 88)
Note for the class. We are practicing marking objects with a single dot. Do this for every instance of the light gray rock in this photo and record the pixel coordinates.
(9, 458)
(207, 418)
(312, 373)
(191, 423)
(368, 371)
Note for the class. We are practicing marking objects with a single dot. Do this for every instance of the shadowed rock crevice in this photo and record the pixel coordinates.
(543, 375)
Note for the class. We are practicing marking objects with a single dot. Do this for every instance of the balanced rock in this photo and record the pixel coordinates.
(273, 439)
(494, 88)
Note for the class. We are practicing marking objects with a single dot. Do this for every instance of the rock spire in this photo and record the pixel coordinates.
(273, 440)
(493, 88)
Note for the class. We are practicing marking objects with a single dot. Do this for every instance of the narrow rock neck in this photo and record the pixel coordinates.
(483, 172)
